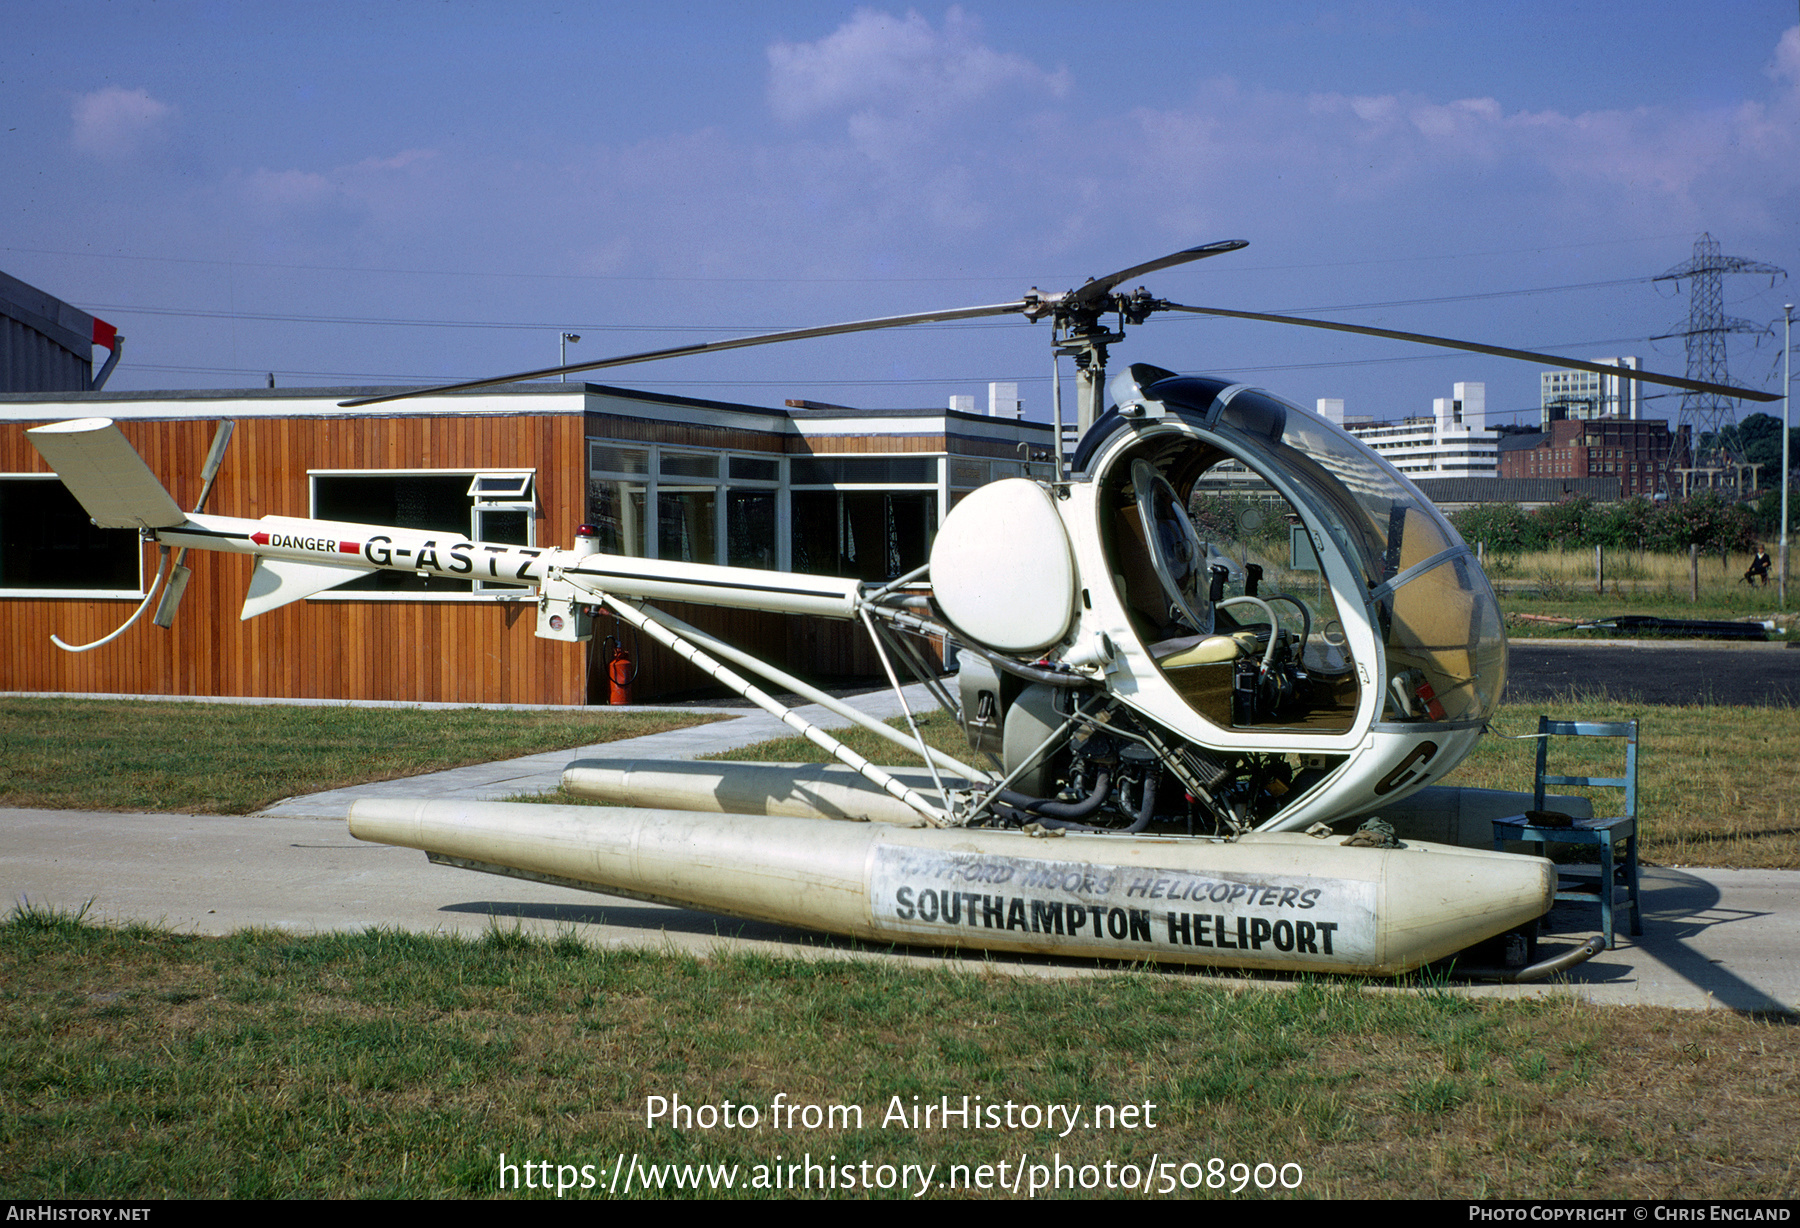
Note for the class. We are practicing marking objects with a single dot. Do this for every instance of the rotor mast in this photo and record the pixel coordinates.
(1080, 334)
(1086, 343)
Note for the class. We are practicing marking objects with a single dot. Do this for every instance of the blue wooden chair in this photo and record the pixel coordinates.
(1575, 882)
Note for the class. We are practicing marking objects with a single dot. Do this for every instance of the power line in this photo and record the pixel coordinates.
(216, 262)
(802, 382)
(520, 325)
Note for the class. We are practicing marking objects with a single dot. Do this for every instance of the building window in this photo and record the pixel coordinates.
(482, 506)
(870, 470)
(618, 494)
(49, 547)
(687, 508)
(869, 518)
(750, 528)
(863, 534)
(684, 506)
(866, 517)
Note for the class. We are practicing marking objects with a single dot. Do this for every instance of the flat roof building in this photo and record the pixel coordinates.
(1640, 454)
(48, 346)
(1452, 442)
(832, 492)
(1582, 395)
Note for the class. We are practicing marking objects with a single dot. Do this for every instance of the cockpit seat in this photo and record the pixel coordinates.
(1186, 651)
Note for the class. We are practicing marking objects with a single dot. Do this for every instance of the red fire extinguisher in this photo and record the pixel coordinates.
(620, 674)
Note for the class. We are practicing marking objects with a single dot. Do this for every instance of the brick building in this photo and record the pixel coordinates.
(1639, 453)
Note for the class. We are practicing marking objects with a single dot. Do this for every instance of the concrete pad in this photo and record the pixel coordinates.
(1714, 939)
(215, 874)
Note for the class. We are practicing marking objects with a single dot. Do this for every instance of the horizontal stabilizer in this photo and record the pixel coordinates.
(106, 475)
(276, 582)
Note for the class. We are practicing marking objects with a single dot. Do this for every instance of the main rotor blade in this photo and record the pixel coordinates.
(703, 347)
(1499, 351)
(1100, 287)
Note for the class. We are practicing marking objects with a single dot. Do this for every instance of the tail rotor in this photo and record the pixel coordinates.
(178, 579)
(118, 490)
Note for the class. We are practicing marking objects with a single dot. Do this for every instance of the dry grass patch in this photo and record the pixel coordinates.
(1628, 573)
(1715, 784)
(1561, 585)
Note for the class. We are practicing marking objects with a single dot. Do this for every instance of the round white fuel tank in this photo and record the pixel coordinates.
(1001, 568)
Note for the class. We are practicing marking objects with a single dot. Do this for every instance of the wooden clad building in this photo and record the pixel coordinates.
(835, 492)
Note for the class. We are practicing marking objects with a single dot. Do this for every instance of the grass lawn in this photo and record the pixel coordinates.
(1714, 788)
(89, 754)
(140, 1064)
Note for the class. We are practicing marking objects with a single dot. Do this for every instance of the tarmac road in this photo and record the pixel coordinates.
(1654, 672)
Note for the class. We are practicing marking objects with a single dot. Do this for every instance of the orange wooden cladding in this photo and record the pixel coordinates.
(442, 650)
(814, 648)
(422, 651)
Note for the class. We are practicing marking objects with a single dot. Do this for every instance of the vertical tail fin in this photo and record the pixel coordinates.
(106, 475)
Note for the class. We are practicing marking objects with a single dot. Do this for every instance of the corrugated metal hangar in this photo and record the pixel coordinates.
(47, 345)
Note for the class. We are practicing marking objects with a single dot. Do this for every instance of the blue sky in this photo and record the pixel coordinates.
(408, 192)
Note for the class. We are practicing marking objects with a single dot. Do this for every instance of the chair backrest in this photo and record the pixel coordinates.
(1627, 730)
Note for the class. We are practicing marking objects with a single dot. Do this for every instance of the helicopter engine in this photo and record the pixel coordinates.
(1116, 772)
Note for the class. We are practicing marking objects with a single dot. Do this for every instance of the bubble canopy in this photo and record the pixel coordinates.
(1247, 457)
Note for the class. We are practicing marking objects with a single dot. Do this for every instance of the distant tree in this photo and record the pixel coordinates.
(1626, 525)
(1768, 511)
(1703, 520)
(1566, 525)
(1503, 526)
(1245, 518)
(1759, 438)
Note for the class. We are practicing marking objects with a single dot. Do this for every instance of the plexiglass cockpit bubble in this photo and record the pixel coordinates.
(1292, 518)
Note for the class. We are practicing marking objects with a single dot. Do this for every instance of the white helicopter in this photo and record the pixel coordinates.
(1224, 623)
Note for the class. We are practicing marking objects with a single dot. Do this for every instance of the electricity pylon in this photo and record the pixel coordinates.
(1707, 414)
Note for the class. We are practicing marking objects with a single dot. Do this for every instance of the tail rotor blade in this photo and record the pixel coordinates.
(215, 458)
(171, 598)
(180, 574)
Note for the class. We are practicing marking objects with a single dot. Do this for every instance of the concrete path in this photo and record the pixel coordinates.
(1713, 938)
(740, 726)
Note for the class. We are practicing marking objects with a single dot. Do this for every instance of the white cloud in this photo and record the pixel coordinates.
(1408, 156)
(360, 185)
(917, 147)
(288, 189)
(935, 111)
(115, 122)
(897, 66)
(1787, 58)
